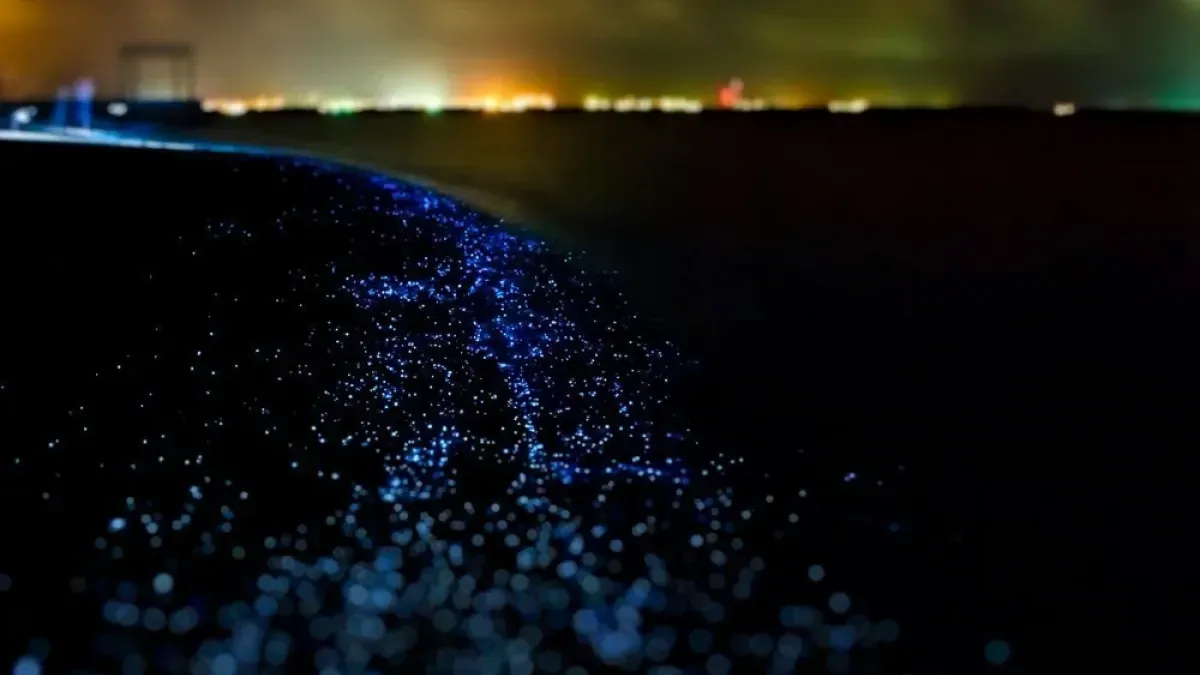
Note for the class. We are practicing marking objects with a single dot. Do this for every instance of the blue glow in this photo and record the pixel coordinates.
(997, 652)
(163, 583)
(462, 353)
(27, 666)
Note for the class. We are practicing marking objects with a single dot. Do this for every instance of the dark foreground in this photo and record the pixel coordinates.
(890, 272)
(965, 399)
(265, 415)
(1002, 299)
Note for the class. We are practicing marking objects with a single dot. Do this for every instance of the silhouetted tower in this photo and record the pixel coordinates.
(158, 71)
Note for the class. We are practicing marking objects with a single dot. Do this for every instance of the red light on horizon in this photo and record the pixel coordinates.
(730, 94)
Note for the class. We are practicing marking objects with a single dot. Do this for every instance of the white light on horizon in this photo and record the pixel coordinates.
(853, 107)
(1064, 109)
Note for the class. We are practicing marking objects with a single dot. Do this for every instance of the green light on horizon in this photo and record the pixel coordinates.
(1179, 104)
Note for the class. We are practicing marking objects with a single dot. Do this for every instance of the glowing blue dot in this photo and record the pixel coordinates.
(791, 646)
(798, 617)
(224, 664)
(718, 664)
(163, 583)
(887, 630)
(266, 606)
(842, 638)
(839, 602)
(154, 619)
(116, 524)
(615, 644)
(700, 641)
(585, 622)
(567, 569)
(997, 652)
(27, 666)
(816, 572)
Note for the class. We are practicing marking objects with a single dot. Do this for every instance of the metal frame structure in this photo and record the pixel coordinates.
(181, 57)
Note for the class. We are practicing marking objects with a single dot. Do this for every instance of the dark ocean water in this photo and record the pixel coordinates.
(963, 403)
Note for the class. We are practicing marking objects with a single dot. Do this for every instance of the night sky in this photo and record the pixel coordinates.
(973, 50)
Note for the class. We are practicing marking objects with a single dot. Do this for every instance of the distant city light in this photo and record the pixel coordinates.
(267, 104)
(853, 106)
(229, 108)
(625, 104)
(495, 103)
(597, 104)
(426, 103)
(750, 105)
(117, 109)
(670, 104)
(341, 106)
(1064, 109)
(632, 104)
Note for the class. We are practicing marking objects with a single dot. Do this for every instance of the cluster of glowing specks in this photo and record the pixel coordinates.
(406, 435)
(535, 352)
